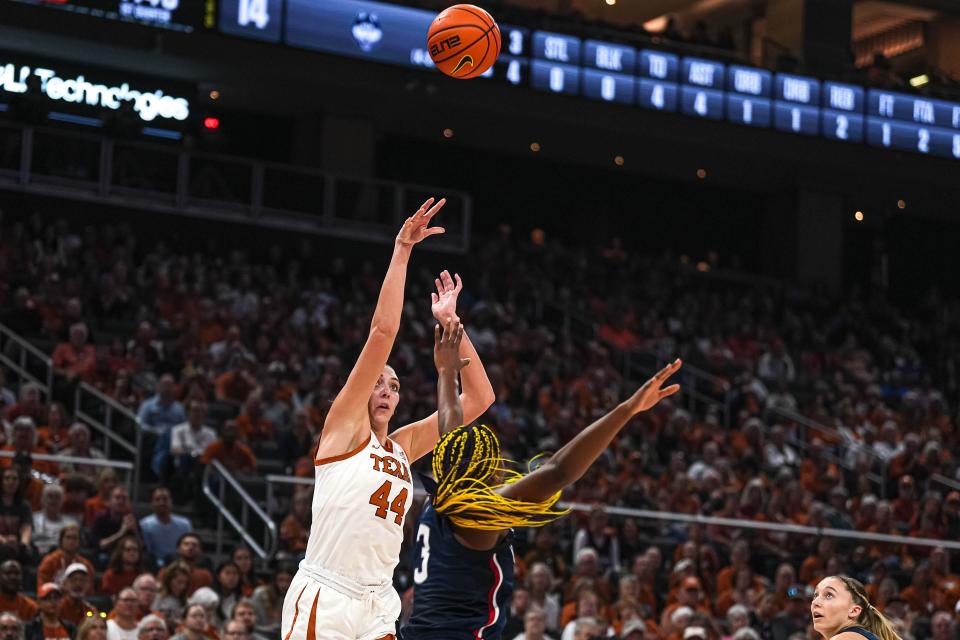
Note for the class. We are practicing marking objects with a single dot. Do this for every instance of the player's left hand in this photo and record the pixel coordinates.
(647, 396)
(444, 301)
(416, 227)
(446, 347)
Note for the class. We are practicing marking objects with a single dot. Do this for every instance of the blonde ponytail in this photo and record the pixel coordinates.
(870, 617)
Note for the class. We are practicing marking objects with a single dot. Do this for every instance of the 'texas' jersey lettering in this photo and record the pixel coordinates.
(390, 465)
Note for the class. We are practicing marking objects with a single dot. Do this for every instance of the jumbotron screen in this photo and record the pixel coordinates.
(179, 15)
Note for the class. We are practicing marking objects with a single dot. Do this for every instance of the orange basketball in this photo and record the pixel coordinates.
(464, 41)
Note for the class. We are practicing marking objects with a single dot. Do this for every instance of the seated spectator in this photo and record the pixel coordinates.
(126, 563)
(162, 528)
(534, 625)
(298, 439)
(585, 628)
(276, 405)
(97, 504)
(190, 555)
(243, 558)
(268, 600)
(253, 425)
(232, 454)
(239, 380)
(171, 601)
(587, 568)
(813, 567)
(47, 624)
(49, 521)
(79, 447)
(28, 406)
(921, 596)
(188, 442)
(11, 598)
(93, 628)
(16, 519)
(75, 359)
(295, 528)
(124, 619)
(152, 628)
(586, 604)
(738, 617)
(744, 592)
(24, 440)
(602, 538)
(545, 551)
(795, 618)
(540, 586)
(690, 595)
(146, 588)
(235, 630)
(76, 583)
(54, 435)
(194, 624)
(115, 523)
(208, 599)
(11, 628)
(54, 565)
(77, 489)
(244, 613)
(228, 589)
(161, 412)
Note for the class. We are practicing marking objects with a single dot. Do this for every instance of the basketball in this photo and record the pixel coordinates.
(464, 41)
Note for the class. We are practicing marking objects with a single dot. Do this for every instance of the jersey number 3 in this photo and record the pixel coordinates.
(381, 500)
(423, 537)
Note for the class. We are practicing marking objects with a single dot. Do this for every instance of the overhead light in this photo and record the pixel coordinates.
(535, 146)
(448, 133)
(919, 81)
(611, 2)
(618, 160)
(701, 173)
(211, 123)
(858, 216)
(214, 95)
(901, 204)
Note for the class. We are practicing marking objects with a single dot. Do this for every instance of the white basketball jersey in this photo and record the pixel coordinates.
(359, 503)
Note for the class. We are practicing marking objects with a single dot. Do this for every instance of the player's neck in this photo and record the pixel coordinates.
(380, 432)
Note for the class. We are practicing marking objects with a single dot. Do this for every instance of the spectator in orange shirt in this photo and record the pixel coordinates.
(587, 569)
(944, 580)
(67, 553)
(295, 528)
(235, 456)
(236, 384)
(689, 595)
(253, 425)
(739, 558)
(921, 595)
(784, 579)
(76, 582)
(744, 591)
(48, 624)
(190, 555)
(817, 563)
(55, 434)
(11, 584)
(905, 506)
(76, 358)
(97, 504)
(126, 563)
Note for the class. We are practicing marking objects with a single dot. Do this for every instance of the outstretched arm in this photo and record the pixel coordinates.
(419, 438)
(569, 464)
(348, 420)
(446, 356)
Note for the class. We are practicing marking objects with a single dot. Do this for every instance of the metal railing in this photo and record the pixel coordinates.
(686, 518)
(215, 471)
(109, 425)
(165, 178)
(18, 354)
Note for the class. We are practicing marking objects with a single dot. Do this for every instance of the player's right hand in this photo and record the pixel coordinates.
(415, 227)
(446, 347)
(647, 396)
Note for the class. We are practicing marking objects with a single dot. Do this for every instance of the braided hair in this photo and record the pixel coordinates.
(469, 469)
(870, 617)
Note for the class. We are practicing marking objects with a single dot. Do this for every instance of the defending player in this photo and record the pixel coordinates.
(463, 555)
(343, 589)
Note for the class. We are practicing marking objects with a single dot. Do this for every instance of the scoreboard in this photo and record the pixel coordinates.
(177, 15)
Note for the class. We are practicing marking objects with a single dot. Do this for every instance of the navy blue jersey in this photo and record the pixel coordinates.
(458, 593)
(860, 630)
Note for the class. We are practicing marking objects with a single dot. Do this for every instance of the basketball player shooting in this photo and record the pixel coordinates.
(343, 588)
(463, 556)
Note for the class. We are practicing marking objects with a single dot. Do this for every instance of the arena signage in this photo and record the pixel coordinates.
(150, 104)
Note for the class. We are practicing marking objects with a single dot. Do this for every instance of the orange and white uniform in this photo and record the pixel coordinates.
(344, 587)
